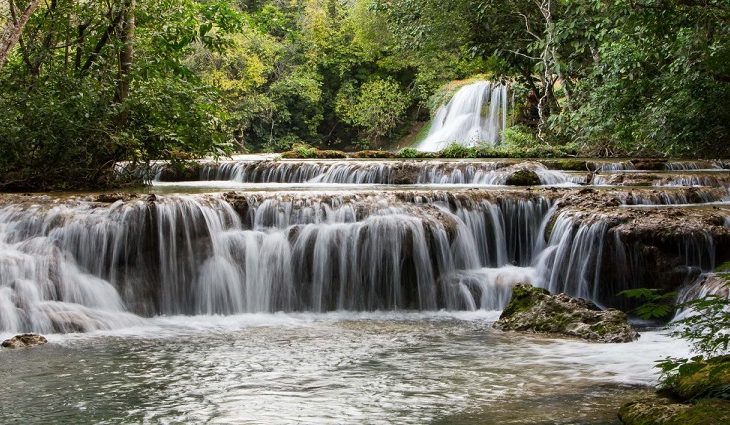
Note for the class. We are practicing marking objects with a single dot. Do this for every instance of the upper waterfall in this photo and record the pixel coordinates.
(477, 113)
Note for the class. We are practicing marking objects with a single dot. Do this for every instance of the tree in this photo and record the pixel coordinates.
(14, 27)
(76, 101)
(377, 107)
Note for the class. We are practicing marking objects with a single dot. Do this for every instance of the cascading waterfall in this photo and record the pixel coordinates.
(575, 260)
(296, 172)
(490, 174)
(477, 113)
(79, 265)
(368, 172)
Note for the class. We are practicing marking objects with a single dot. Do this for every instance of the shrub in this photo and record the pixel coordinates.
(302, 151)
(519, 136)
(456, 150)
(409, 153)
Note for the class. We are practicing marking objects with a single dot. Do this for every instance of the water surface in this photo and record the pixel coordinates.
(339, 368)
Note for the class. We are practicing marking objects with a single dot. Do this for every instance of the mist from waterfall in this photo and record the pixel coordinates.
(477, 113)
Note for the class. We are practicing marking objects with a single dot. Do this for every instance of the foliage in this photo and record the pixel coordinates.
(456, 150)
(376, 108)
(655, 304)
(409, 153)
(304, 151)
(705, 324)
(519, 137)
(649, 77)
(70, 110)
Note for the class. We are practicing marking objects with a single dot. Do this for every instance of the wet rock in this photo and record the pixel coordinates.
(24, 340)
(372, 154)
(664, 412)
(701, 379)
(536, 310)
(405, 173)
(697, 394)
(649, 164)
(187, 171)
(569, 164)
(110, 198)
(523, 177)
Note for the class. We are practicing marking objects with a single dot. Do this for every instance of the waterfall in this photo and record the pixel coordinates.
(594, 260)
(79, 265)
(487, 173)
(477, 113)
(84, 266)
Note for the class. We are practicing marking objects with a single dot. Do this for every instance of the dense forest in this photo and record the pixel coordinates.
(86, 84)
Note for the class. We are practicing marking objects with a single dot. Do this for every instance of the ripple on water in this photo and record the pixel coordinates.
(331, 368)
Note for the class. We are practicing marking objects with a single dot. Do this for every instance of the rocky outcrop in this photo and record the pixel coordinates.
(536, 310)
(697, 394)
(25, 340)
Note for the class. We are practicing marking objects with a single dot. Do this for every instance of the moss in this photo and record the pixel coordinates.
(705, 412)
(569, 164)
(700, 379)
(331, 154)
(372, 154)
(662, 412)
(523, 178)
(524, 296)
(723, 268)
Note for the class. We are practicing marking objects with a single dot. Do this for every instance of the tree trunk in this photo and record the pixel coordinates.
(126, 57)
(14, 29)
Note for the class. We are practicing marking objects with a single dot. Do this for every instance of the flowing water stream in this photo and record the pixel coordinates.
(337, 292)
(338, 368)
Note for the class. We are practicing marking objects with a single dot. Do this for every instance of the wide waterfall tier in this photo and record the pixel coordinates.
(351, 172)
(80, 264)
(477, 113)
(250, 173)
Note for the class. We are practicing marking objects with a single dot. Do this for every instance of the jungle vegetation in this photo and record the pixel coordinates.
(85, 84)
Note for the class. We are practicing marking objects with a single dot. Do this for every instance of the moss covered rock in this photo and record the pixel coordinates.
(536, 310)
(664, 412)
(701, 379)
(523, 177)
(569, 164)
(372, 154)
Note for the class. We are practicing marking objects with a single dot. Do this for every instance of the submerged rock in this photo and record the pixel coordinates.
(25, 340)
(536, 310)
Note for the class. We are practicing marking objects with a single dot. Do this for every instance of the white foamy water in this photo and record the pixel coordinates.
(339, 368)
(477, 113)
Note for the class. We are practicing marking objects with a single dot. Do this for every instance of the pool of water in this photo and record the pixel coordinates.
(338, 368)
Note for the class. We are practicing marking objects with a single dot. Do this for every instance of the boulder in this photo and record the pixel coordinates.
(523, 177)
(536, 310)
(24, 340)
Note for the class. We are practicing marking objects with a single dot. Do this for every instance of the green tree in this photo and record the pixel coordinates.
(377, 107)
